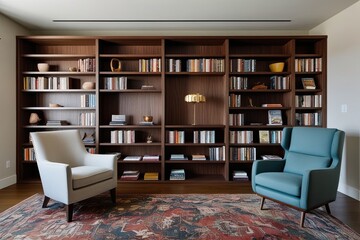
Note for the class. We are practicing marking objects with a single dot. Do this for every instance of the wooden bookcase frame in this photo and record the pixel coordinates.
(165, 102)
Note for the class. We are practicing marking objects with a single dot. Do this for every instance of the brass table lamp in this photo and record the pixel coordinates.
(195, 98)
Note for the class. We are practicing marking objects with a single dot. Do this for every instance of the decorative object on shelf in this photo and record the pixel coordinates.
(115, 65)
(195, 98)
(34, 119)
(277, 67)
(148, 118)
(259, 85)
(149, 139)
(275, 117)
(308, 83)
(251, 102)
(73, 69)
(55, 105)
(43, 67)
(88, 85)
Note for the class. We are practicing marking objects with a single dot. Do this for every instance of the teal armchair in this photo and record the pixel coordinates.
(308, 176)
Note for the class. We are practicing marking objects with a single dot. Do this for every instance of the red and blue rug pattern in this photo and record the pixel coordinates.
(168, 216)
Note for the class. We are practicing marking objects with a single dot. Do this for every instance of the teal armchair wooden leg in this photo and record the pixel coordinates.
(262, 203)
(302, 219)
(327, 207)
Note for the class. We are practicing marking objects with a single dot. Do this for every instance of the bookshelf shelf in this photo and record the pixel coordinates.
(150, 62)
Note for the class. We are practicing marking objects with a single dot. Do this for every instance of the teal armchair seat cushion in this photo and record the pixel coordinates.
(287, 183)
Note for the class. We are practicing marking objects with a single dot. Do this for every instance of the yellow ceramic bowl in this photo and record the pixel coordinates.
(277, 67)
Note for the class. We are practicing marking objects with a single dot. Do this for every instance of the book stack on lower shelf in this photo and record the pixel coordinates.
(151, 176)
(56, 122)
(177, 174)
(178, 157)
(130, 175)
(240, 176)
(198, 157)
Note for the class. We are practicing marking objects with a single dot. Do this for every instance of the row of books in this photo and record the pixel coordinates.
(29, 154)
(237, 83)
(205, 65)
(217, 153)
(204, 136)
(234, 100)
(176, 136)
(242, 65)
(308, 64)
(308, 101)
(242, 153)
(150, 65)
(236, 119)
(87, 65)
(279, 82)
(270, 136)
(87, 119)
(47, 83)
(115, 83)
(241, 137)
(308, 119)
(122, 136)
(173, 65)
(88, 100)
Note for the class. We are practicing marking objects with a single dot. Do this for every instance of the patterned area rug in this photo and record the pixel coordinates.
(188, 216)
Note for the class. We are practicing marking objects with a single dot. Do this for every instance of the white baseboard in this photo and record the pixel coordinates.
(349, 191)
(5, 182)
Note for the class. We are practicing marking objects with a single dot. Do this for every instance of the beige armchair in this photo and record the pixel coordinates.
(69, 173)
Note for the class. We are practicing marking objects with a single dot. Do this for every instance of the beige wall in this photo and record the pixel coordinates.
(343, 89)
(8, 32)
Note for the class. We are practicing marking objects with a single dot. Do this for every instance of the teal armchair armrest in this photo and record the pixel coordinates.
(319, 186)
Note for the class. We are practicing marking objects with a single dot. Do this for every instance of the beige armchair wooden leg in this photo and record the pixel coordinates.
(113, 195)
(69, 212)
(45, 202)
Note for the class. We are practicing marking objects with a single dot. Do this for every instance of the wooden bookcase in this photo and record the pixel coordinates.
(179, 66)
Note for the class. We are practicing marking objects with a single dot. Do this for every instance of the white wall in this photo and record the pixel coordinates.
(8, 32)
(344, 89)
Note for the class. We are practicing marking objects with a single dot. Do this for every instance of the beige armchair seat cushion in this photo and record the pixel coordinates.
(87, 175)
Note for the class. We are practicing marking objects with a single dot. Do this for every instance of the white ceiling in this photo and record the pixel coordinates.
(171, 14)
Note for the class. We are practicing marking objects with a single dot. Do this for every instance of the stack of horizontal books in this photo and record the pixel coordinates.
(178, 157)
(130, 175)
(240, 176)
(151, 158)
(151, 176)
(198, 157)
(56, 122)
(177, 174)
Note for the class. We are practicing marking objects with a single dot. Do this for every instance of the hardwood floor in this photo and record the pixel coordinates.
(344, 208)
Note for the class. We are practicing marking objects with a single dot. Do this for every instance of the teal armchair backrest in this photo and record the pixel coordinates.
(309, 148)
